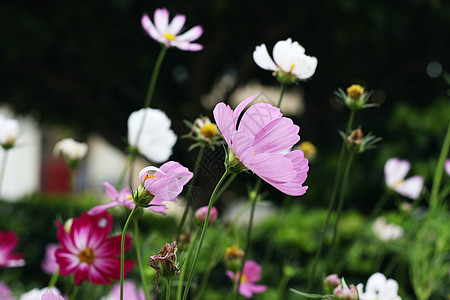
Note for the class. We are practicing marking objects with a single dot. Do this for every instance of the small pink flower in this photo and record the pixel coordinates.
(201, 213)
(49, 264)
(8, 259)
(262, 143)
(164, 183)
(130, 292)
(395, 171)
(251, 273)
(48, 295)
(168, 34)
(5, 292)
(123, 198)
(88, 253)
(447, 167)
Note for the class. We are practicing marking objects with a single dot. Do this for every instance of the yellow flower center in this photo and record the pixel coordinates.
(243, 278)
(398, 182)
(148, 176)
(129, 197)
(233, 252)
(170, 36)
(308, 149)
(87, 256)
(355, 91)
(292, 68)
(209, 130)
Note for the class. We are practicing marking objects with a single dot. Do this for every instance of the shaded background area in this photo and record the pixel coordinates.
(87, 64)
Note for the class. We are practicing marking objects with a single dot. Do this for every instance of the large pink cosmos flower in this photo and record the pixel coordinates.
(88, 253)
(262, 142)
(251, 273)
(8, 259)
(165, 183)
(395, 171)
(123, 198)
(167, 34)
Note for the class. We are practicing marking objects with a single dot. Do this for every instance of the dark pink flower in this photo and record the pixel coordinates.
(88, 253)
(201, 213)
(251, 273)
(262, 142)
(49, 264)
(8, 259)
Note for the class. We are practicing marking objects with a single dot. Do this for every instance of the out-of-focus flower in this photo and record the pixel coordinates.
(251, 273)
(8, 259)
(289, 64)
(161, 184)
(346, 293)
(395, 171)
(72, 151)
(168, 34)
(130, 291)
(233, 258)
(165, 262)
(204, 132)
(308, 149)
(156, 139)
(356, 97)
(386, 232)
(358, 143)
(124, 198)
(262, 143)
(9, 130)
(88, 253)
(49, 264)
(379, 288)
(201, 213)
(5, 292)
(331, 282)
(447, 167)
(406, 207)
(38, 294)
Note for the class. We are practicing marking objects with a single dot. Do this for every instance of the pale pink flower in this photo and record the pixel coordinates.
(49, 295)
(8, 259)
(39, 294)
(447, 167)
(262, 143)
(168, 33)
(395, 171)
(123, 198)
(379, 288)
(201, 213)
(130, 292)
(49, 264)
(88, 253)
(5, 292)
(251, 273)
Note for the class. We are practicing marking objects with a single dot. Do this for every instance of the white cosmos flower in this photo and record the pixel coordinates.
(156, 139)
(289, 58)
(9, 130)
(379, 288)
(386, 231)
(395, 171)
(71, 150)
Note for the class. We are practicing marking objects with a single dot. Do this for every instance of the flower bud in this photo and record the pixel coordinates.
(308, 148)
(350, 293)
(165, 262)
(331, 282)
(200, 215)
(355, 97)
(72, 151)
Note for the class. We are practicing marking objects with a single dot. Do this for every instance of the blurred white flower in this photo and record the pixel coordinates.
(72, 151)
(36, 294)
(379, 288)
(9, 130)
(386, 231)
(395, 171)
(156, 139)
(289, 61)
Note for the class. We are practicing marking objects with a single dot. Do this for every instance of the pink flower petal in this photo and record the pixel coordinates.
(161, 19)
(176, 24)
(191, 35)
(411, 187)
(151, 29)
(277, 136)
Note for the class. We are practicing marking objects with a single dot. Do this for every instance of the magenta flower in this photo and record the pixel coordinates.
(130, 291)
(123, 198)
(164, 183)
(395, 171)
(5, 292)
(88, 253)
(49, 264)
(168, 34)
(8, 259)
(262, 143)
(251, 273)
(201, 213)
(49, 295)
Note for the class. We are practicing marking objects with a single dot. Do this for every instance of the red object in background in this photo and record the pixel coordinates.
(55, 176)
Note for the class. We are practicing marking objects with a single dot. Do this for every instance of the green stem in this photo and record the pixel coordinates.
(168, 289)
(189, 191)
(73, 183)
(2, 170)
(151, 87)
(122, 250)
(283, 87)
(253, 197)
(439, 170)
(53, 279)
(444, 192)
(202, 235)
(379, 206)
(225, 186)
(74, 294)
(123, 173)
(186, 264)
(137, 245)
(282, 286)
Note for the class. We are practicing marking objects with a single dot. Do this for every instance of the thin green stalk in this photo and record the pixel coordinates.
(74, 294)
(253, 197)
(53, 279)
(151, 87)
(202, 235)
(189, 190)
(282, 286)
(186, 264)
(73, 183)
(439, 170)
(283, 87)
(225, 186)
(137, 245)
(122, 250)
(2, 170)
(168, 289)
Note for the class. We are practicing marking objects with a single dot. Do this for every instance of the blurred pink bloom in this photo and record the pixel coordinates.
(130, 292)
(395, 171)
(164, 183)
(168, 34)
(39, 294)
(49, 264)
(251, 273)
(123, 198)
(48, 295)
(88, 253)
(8, 241)
(262, 142)
(447, 167)
(201, 213)
(5, 292)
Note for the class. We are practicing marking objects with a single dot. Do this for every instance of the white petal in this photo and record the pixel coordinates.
(286, 53)
(191, 35)
(395, 169)
(186, 46)
(161, 19)
(411, 187)
(375, 283)
(262, 58)
(176, 24)
(390, 289)
(151, 29)
(305, 66)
